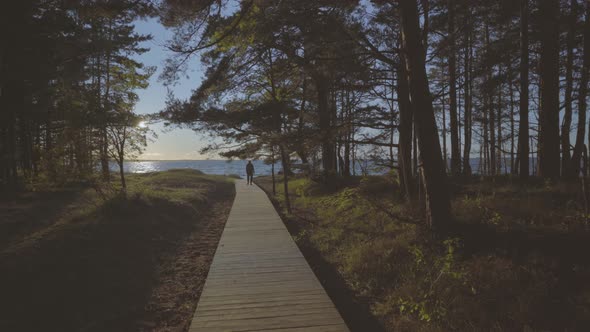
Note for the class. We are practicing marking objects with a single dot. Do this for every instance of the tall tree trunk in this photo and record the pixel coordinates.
(569, 86)
(435, 178)
(274, 184)
(500, 136)
(346, 123)
(486, 135)
(36, 153)
(426, 21)
(352, 144)
(272, 169)
(582, 94)
(523, 112)
(512, 133)
(455, 150)
(301, 149)
(414, 147)
(467, 115)
(3, 105)
(285, 162)
(122, 175)
(325, 115)
(535, 163)
(444, 130)
(405, 129)
(102, 109)
(549, 73)
(333, 136)
(489, 106)
(480, 165)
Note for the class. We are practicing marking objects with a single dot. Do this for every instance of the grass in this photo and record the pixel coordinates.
(516, 261)
(102, 261)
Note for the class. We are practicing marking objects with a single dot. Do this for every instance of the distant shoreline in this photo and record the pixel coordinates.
(228, 160)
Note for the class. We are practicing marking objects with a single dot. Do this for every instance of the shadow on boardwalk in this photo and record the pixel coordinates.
(259, 280)
(357, 316)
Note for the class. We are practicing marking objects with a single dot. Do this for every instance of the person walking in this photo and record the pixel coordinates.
(249, 172)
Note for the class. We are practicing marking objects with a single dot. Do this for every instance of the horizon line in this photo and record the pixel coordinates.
(188, 159)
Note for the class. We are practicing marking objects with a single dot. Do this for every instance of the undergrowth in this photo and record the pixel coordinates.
(102, 258)
(413, 282)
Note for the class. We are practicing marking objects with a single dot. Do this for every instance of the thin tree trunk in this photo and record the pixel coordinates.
(426, 21)
(352, 144)
(122, 174)
(486, 149)
(328, 147)
(481, 163)
(333, 137)
(103, 141)
(285, 162)
(106, 104)
(391, 129)
(455, 149)
(301, 150)
(500, 136)
(467, 115)
(534, 166)
(569, 86)
(512, 133)
(444, 130)
(489, 106)
(347, 152)
(272, 171)
(405, 130)
(414, 147)
(347, 135)
(582, 103)
(549, 73)
(523, 129)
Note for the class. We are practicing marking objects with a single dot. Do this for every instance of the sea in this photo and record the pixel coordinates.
(238, 167)
(216, 167)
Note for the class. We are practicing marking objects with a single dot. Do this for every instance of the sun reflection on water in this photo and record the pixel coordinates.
(142, 167)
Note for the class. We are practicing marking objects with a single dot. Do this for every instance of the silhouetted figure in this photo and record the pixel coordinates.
(249, 172)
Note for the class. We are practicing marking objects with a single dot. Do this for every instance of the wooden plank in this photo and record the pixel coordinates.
(259, 280)
(291, 320)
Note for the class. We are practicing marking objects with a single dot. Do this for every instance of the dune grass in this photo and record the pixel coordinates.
(112, 262)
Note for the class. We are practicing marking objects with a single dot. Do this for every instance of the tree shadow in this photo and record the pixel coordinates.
(95, 273)
(23, 213)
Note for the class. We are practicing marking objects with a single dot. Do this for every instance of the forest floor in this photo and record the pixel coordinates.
(517, 259)
(81, 259)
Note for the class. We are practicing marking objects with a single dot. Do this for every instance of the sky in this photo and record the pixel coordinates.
(171, 144)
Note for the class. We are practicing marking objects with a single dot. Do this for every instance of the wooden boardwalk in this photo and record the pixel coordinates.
(259, 280)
